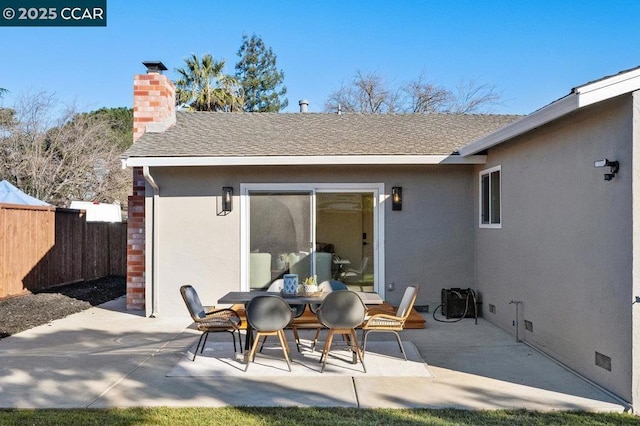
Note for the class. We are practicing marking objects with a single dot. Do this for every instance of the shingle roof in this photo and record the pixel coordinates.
(212, 134)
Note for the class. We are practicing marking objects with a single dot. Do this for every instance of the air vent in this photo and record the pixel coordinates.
(603, 361)
(492, 308)
(528, 325)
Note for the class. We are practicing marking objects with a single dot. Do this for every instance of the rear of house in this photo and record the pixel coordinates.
(512, 207)
(560, 254)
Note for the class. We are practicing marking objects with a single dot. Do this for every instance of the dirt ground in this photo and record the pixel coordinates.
(23, 312)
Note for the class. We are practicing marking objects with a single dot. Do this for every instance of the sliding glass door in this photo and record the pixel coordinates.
(279, 236)
(332, 231)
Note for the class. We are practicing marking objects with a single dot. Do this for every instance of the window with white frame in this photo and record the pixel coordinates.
(490, 203)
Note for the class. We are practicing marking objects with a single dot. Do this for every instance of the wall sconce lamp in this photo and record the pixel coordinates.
(227, 199)
(396, 198)
(614, 167)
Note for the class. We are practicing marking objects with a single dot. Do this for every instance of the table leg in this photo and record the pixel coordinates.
(249, 338)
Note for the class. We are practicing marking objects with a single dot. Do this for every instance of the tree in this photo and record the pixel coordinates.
(421, 96)
(472, 97)
(261, 81)
(367, 93)
(370, 94)
(120, 120)
(6, 114)
(59, 160)
(204, 87)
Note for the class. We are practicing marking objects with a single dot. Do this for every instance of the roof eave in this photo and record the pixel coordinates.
(580, 97)
(538, 118)
(303, 160)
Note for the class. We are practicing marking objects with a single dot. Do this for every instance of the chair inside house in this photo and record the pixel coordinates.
(300, 264)
(384, 322)
(356, 275)
(213, 321)
(323, 266)
(341, 312)
(268, 315)
(259, 270)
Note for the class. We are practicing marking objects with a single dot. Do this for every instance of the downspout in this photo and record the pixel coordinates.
(154, 240)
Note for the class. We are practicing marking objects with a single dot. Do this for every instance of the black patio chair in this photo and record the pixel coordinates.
(268, 315)
(341, 312)
(213, 321)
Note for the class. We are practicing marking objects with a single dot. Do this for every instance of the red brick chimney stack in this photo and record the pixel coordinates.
(153, 111)
(154, 101)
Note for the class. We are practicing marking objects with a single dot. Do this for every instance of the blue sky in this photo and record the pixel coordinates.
(533, 51)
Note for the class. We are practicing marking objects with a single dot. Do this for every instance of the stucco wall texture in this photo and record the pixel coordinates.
(430, 242)
(565, 246)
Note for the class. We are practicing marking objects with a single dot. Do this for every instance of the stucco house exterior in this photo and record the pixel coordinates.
(510, 206)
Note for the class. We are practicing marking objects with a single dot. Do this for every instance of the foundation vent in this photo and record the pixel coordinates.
(603, 361)
(492, 308)
(528, 325)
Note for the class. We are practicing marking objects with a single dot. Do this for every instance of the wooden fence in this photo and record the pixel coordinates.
(42, 247)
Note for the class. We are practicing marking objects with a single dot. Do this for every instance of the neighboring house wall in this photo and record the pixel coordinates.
(430, 242)
(565, 246)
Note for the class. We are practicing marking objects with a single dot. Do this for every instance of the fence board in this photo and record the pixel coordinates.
(42, 247)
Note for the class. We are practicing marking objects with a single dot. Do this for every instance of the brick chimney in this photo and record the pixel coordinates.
(154, 111)
(154, 101)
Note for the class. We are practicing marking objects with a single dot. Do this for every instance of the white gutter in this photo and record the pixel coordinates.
(154, 242)
(284, 160)
(580, 97)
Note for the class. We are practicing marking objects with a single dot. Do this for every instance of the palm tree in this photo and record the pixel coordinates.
(204, 87)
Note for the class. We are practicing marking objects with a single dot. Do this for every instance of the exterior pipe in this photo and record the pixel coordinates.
(154, 240)
(517, 321)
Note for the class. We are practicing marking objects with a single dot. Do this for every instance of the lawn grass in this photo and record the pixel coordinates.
(248, 416)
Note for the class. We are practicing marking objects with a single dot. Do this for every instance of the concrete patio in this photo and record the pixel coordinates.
(109, 357)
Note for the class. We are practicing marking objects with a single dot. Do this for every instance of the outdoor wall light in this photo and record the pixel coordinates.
(227, 199)
(614, 167)
(396, 198)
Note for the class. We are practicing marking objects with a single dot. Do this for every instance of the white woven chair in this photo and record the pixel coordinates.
(383, 322)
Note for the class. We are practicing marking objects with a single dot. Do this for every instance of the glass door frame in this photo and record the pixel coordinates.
(377, 189)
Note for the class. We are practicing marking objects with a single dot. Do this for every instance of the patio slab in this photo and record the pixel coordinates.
(109, 357)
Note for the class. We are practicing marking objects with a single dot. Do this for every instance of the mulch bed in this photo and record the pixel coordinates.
(24, 312)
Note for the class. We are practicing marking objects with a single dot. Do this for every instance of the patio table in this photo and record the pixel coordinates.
(245, 297)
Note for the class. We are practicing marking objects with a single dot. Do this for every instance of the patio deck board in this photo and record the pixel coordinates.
(415, 320)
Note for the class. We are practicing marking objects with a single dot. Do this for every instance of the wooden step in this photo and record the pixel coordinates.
(415, 320)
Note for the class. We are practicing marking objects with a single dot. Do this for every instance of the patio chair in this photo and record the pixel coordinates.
(213, 321)
(268, 315)
(384, 322)
(277, 287)
(341, 312)
(326, 287)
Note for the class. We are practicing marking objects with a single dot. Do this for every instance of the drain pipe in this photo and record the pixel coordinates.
(516, 322)
(154, 240)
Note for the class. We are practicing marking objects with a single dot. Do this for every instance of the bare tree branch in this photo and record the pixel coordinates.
(73, 157)
(367, 93)
(471, 97)
(421, 96)
(370, 93)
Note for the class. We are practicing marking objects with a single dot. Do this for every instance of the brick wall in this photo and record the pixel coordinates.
(153, 104)
(135, 244)
(153, 111)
